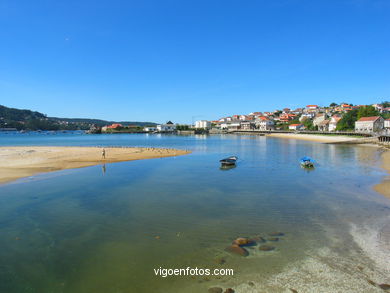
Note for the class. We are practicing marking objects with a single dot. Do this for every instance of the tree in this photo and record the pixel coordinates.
(386, 104)
(348, 121)
(367, 111)
(333, 105)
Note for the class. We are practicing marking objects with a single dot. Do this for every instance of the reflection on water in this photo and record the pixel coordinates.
(80, 231)
(227, 167)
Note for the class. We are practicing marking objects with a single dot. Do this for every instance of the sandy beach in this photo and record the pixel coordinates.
(19, 162)
(313, 137)
(384, 186)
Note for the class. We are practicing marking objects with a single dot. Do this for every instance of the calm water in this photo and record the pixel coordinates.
(94, 229)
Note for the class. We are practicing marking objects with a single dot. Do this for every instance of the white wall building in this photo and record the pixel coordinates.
(369, 124)
(265, 125)
(296, 126)
(168, 127)
(204, 124)
(150, 129)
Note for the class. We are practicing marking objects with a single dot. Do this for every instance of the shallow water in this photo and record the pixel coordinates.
(94, 229)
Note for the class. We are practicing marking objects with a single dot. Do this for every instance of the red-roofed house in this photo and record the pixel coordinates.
(369, 124)
(115, 126)
(296, 126)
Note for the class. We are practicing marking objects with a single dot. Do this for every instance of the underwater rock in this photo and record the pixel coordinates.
(237, 250)
(215, 290)
(371, 282)
(258, 239)
(229, 290)
(243, 241)
(274, 239)
(276, 234)
(293, 290)
(251, 283)
(220, 260)
(266, 248)
(384, 286)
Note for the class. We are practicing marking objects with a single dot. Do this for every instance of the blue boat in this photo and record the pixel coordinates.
(229, 161)
(307, 162)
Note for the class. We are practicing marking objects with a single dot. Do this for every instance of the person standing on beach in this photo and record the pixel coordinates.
(103, 153)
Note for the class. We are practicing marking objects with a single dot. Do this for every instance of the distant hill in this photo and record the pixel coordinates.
(32, 120)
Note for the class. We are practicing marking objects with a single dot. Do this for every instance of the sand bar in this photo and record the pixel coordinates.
(313, 137)
(19, 162)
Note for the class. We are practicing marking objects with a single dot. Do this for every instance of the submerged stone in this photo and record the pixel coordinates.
(384, 286)
(220, 260)
(276, 234)
(215, 290)
(235, 249)
(293, 290)
(244, 241)
(229, 290)
(266, 248)
(274, 239)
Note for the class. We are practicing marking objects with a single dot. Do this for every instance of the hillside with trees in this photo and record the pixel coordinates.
(32, 120)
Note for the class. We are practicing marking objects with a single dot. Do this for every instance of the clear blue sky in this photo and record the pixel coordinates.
(172, 60)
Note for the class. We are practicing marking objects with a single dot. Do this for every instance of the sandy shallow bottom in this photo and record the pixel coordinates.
(384, 186)
(19, 162)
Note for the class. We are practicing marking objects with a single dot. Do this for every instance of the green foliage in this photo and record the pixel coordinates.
(333, 105)
(30, 120)
(182, 127)
(348, 121)
(386, 104)
(367, 111)
(309, 125)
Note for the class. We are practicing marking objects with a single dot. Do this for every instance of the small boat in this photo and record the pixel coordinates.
(307, 162)
(230, 161)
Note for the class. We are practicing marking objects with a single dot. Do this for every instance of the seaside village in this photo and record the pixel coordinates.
(311, 117)
(370, 119)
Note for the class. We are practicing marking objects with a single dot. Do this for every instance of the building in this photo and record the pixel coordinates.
(204, 124)
(311, 108)
(318, 119)
(369, 124)
(247, 125)
(150, 129)
(265, 124)
(333, 122)
(324, 125)
(168, 127)
(387, 125)
(286, 117)
(296, 126)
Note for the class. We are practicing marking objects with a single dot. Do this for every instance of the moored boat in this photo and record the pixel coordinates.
(230, 161)
(307, 162)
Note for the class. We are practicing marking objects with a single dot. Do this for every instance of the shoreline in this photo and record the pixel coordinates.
(384, 187)
(314, 137)
(25, 161)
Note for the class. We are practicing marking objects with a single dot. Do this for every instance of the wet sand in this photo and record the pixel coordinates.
(19, 162)
(313, 137)
(384, 186)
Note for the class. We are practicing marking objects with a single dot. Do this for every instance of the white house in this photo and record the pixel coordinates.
(150, 129)
(168, 127)
(204, 124)
(296, 126)
(265, 124)
(369, 124)
(387, 124)
(333, 122)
